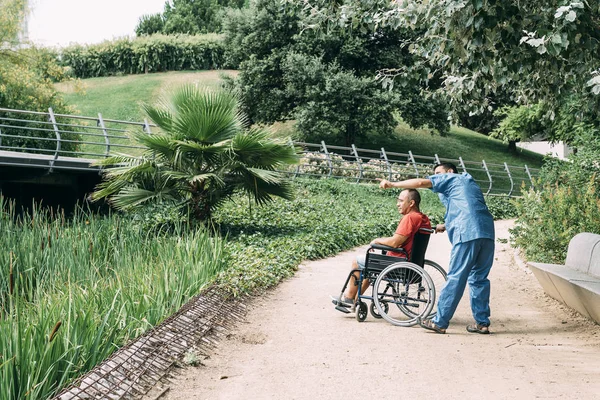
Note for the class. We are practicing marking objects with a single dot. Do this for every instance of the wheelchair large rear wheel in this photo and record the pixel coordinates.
(403, 293)
(439, 277)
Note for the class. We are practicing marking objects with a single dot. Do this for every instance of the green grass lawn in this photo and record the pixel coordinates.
(120, 98)
(460, 142)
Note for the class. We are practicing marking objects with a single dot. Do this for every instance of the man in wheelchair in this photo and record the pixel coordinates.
(413, 220)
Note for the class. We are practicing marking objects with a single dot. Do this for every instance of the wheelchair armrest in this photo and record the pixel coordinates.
(387, 248)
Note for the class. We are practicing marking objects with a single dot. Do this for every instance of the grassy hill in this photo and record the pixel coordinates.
(120, 98)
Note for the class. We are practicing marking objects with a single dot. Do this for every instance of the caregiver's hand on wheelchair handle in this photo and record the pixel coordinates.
(439, 228)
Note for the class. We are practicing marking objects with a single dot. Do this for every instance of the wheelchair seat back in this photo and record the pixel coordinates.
(419, 248)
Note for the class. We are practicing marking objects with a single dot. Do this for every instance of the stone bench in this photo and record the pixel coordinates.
(577, 283)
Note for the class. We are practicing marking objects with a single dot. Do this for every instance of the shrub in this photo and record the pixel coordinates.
(549, 218)
(316, 163)
(204, 153)
(502, 207)
(519, 123)
(565, 203)
(26, 83)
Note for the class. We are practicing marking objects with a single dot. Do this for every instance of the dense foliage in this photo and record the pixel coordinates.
(324, 79)
(488, 54)
(566, 202)
(502, 207)
(187, 16)
(11, 17)
(336, 105)
(145, 54)
(537, 50)
(572, 120)
(202, 155)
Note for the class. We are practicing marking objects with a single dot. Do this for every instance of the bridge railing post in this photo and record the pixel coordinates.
(487, 171)
(57, 132)
(462, 164)
(147, 126)
(297, 169)
(411, 158)
(512, 184)
(358, 162)
(329, 162)
(106, 138)
(529, 175)
(387, 163)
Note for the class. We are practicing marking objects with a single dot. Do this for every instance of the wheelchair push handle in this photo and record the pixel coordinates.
(426, 230)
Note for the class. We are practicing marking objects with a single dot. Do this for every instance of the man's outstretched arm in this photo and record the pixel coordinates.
(416, 183)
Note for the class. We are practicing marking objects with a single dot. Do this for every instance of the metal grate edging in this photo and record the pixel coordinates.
(137, 367)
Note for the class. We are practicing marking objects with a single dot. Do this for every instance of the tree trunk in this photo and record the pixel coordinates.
(200, 205)
(512, 146)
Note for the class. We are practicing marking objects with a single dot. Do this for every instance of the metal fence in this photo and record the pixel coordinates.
(365, 165)
(59, 135)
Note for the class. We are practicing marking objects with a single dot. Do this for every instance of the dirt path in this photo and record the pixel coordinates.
(294, 345)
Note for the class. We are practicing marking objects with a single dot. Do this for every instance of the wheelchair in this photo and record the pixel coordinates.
(403, 290)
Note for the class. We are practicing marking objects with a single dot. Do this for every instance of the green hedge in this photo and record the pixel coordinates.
(156, 53)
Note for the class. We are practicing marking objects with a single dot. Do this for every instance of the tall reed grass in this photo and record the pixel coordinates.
(74, 290)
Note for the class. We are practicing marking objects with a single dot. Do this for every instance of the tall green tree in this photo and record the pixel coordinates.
(533, 51)
(187, 16)
(289, 72)
(519, 123)
(202, 155)
(335, 104)
(150, 24)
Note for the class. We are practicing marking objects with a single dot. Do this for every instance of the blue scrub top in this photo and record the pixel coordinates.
(467, 216)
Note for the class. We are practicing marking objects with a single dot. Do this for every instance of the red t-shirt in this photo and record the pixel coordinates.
(409, 225)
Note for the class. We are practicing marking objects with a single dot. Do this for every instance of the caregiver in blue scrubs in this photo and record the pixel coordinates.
(470, 228)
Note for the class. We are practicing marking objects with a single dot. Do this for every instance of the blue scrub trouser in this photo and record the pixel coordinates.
(469, 262)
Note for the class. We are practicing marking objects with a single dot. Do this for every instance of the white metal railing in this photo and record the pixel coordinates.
(62, 135)
(366, 164)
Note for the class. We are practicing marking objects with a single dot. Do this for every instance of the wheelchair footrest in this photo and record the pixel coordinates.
(342, 309)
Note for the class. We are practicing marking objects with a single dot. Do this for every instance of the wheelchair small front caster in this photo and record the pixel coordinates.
(361, 311)
(374, 311)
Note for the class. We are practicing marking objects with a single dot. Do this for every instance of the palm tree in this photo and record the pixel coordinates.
(203, 154)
